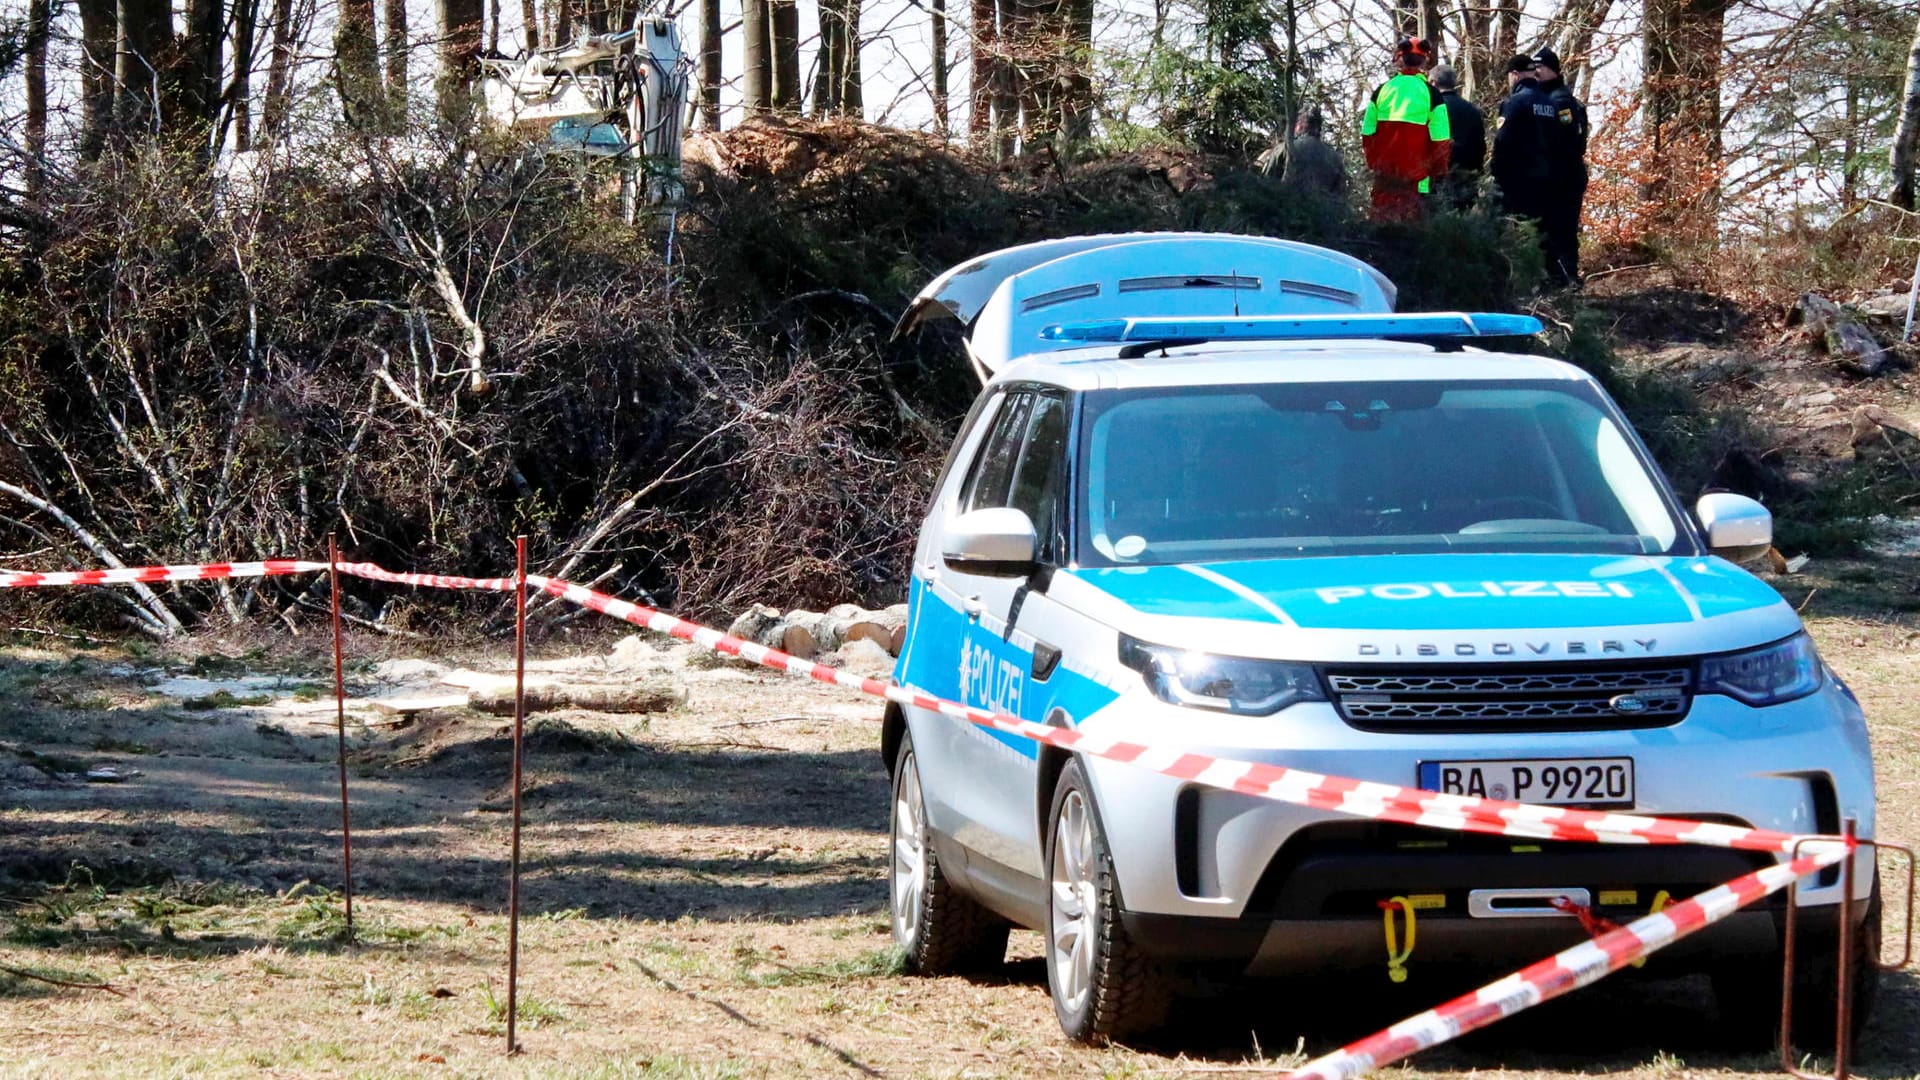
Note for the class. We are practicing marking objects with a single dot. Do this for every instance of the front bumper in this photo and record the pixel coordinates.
(1232, 947)
(1194, 852)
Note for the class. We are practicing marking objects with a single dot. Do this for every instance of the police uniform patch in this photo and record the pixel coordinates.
(1566, 116)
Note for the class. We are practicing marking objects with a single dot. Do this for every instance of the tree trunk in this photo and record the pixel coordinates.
(357, 61)
(39, 23)
(1433, 26)
(827, 59)
(712, 74)
(1571, 31)
(756, 80)
(1076, 112)
(1029, 51)
(396, 46)
(563, 16)
(1006, 80)
(1480, 77)
(1681, 111)
(97, 47)
(273, 111)
(942, 109)
(146, 32)
(784, 19)
(985, 46)
(199, 61)
(1506, 35)
(1906, 136)
(246, 19)
(530, 22)
(836, 89)
(461, 24)
(493, 28)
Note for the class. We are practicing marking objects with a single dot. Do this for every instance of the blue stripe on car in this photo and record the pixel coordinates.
(1447, 592)
(931, 662)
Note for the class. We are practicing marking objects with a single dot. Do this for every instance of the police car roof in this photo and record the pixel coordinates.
(1101, 367)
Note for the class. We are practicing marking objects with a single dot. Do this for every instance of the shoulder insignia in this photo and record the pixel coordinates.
(1566, 116)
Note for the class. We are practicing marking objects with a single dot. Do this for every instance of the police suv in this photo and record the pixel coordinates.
(1217, 497)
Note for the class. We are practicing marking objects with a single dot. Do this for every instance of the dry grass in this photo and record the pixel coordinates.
(705, 895)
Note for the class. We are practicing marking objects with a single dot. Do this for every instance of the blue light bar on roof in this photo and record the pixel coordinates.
(1442, 324)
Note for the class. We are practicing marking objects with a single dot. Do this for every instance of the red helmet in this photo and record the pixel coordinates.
(1413, 51)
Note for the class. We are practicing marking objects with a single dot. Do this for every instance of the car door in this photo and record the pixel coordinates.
(1021, 464)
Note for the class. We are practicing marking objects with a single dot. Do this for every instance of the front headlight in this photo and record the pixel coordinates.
(1226, 683)
(1768, 675)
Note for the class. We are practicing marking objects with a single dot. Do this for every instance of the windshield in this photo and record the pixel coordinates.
(1203, 474)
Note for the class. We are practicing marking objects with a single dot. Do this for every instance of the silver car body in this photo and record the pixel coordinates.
(1046, 648)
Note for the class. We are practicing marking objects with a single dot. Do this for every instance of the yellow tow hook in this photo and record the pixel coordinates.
(1396, 956)
(1660, 901)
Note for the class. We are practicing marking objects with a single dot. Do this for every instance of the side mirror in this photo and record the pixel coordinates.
(1737, 528)
(998, 541)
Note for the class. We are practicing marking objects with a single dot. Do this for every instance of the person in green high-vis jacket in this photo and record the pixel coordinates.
(1405, 135)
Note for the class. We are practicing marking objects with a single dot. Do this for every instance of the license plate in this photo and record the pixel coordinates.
(1599, 783)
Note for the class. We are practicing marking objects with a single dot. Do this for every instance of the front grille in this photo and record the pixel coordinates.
(1481, 699)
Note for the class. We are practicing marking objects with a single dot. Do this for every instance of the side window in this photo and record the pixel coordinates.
(993, 469)
(1039, 481)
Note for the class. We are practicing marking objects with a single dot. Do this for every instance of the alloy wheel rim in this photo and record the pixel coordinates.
(1070, 946)
(909, 854)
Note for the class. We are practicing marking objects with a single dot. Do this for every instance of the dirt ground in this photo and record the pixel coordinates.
(704, 889)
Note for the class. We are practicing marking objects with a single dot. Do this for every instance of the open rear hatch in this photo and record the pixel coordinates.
(1005, 299)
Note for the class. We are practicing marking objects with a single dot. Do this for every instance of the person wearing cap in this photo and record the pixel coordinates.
(1468, 127)
(1406, 134)
(1565, 135)
(1521, 170)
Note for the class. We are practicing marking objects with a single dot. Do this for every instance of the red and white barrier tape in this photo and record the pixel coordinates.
(1571, 969)
(1362, 798)
(426, 581)
(146, 575)
(1383, 802)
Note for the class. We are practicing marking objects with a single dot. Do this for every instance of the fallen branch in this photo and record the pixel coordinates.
(22, 973)
(155, 617)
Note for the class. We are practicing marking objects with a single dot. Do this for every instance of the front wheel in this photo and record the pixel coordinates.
(942, 930)
(1103, 986)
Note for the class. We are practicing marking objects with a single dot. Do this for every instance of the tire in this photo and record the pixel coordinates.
(942, 930)
(1104, 988)
(1747, 994)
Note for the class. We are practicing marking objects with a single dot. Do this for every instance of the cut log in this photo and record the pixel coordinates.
(846, 611)
(759, 624)
(1877, 431)
(1843, 336)
(883, 628)
(652, 695)
(807, 634)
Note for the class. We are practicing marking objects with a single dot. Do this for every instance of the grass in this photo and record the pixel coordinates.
(870, 964)
(532, 1011)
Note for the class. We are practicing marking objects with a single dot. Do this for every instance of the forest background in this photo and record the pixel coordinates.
(266, 275)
